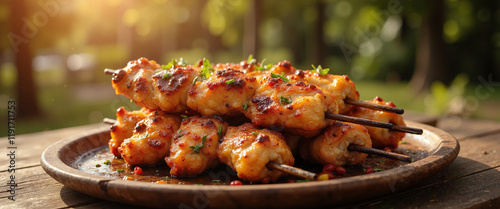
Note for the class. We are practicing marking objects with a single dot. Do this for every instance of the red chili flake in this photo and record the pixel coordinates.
(369, 170)
(329, 167)
(330, 174)
(138, 170)
(290, 181)
(235, 183)
(340, 170)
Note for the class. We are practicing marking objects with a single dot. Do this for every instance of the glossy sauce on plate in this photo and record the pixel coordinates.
(101, 162)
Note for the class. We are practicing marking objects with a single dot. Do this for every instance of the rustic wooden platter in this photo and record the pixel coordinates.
(59, 161)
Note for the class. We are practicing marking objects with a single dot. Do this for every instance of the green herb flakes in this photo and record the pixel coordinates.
(285, 100)
(196, 149)
(283, 78)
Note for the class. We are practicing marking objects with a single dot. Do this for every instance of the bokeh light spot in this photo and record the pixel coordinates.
(343, 9)
(130, 17)
(451, 31)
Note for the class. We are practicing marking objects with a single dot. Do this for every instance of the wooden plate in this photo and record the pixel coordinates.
(59, 161)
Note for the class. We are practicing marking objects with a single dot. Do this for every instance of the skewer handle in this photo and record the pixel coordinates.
(109, 121)
(367, 122)
(373, 106)
(292, 170)
(373, 151)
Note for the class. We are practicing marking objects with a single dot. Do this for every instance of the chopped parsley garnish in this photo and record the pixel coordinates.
(119, 170)
(166, 75)
(230, 81)
(216, 181)
(274, 75)
(251, 60)
(320, 70)
(196, 149)
(184, 116)
(263, 67)
(180, 135)
(194, 80)
(305, 180)
(166, 67)
(205, 72)
(107, 162)
(165, 177)
(285, 100)
(173, 63)
(219, 131)
(245, 106)
(404, 142)
(181, 62)
(378, 169)
(255, 133)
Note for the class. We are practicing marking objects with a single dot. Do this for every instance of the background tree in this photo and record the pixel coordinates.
(27, 103)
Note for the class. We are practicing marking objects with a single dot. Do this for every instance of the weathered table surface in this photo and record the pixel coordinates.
(471, 181)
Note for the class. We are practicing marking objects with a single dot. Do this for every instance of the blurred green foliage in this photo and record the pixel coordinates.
(374, 42)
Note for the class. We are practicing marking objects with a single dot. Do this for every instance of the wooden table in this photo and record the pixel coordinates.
(471, 181)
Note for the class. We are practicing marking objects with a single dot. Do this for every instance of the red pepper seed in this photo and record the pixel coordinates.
(138, 170)
(340, 170)
(235, 183)
(369, 170)
(329, 167)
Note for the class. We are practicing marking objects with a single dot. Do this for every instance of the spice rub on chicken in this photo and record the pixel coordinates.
(247, 150)
(150, 85)
(331, 145)
(381, 137)
(151, 139)
(340, 86)
(195, 144)
(298, 108)
(225, 92)
(123, 127)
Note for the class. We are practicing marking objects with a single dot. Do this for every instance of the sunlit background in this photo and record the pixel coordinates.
(432, 57)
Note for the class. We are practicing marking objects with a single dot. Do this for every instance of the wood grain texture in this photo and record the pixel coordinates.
(472, 180)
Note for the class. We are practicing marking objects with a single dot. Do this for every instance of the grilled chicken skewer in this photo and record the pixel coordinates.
(304, 114)
(340, 86)
(331, 146)
(123, 127)
(151, 139)
(195, 148)
(381, 137)
(248, 150)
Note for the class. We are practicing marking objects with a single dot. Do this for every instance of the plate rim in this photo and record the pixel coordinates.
(117, 190)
